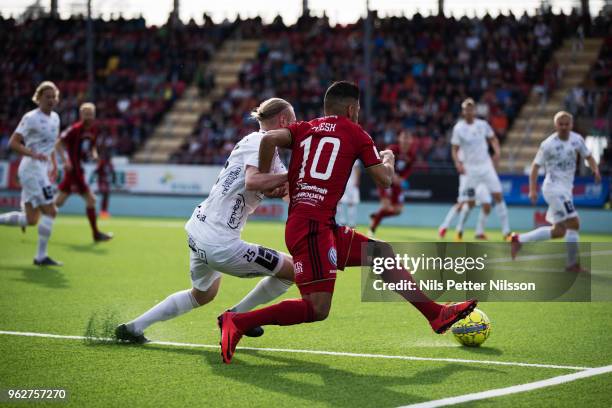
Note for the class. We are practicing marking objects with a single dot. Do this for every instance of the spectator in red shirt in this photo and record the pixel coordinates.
(79, 140)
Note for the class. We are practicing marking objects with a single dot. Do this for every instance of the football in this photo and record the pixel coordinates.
(473, 330)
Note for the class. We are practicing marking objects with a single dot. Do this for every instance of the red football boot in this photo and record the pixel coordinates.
(515, 245)
(230, 336)
(450, 314)
(441, 232)
(576, 268)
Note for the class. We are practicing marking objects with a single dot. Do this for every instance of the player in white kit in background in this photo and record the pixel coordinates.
(214, 233)
(34, 139)
(350, 199)
(558, 155)
(473, 136)
(483, 199)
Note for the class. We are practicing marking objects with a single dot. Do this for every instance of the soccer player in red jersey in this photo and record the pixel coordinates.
(323, 153)
(106, 177)
(79, 140)
(391, 198)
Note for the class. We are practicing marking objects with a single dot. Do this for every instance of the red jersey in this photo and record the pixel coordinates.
(403, 160)
(105, 171)
(78, 141)
(323, 153)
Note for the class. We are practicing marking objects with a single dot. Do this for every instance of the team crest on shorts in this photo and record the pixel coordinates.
(332, 255)
(298, 268)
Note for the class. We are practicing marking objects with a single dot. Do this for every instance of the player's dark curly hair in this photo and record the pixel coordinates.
(339, 94)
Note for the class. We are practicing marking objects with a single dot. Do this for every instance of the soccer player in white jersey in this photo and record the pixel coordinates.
(214, 233)
(350, 199)
(473, 136)
(558, 155)
(34, 139)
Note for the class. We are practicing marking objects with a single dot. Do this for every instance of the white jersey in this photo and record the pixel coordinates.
(40, 132)
(221, 217)
(558, 158)
(472, 140)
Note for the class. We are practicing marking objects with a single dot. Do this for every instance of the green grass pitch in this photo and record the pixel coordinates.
(148, 260)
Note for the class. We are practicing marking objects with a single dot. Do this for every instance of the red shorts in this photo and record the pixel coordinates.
(393, 193)
(73, 183)
(320, 249)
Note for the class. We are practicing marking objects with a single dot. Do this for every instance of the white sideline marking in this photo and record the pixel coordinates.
(318, 352)
(513, 389)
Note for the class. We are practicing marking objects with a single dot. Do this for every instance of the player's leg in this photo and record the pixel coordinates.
(572, 225)
(450, 216)
(270, 287)
(385, 210)
(205, 285)
(45, 228)
(15, 218)
(90, 211)
(483, 214)
(463, 215)
(440, 317)
(61, 198)
(313, 249)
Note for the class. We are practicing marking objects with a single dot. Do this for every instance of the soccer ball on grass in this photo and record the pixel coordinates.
(473, 330)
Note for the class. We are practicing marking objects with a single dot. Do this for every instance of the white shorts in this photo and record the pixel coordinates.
(560, 205)
(239, 258)
(489, 179)
(483, 196)
(351, 196)
(36, 188)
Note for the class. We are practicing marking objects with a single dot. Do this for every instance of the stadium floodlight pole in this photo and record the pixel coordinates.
(305, 9)
(90, 56)
(440, 7)
(367, 48)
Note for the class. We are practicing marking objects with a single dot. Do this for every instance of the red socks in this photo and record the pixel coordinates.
(378, 217)
(91, 215)
(418, 299)
(105, 201)
(285, 313)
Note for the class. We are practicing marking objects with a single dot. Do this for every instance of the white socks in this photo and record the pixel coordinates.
(174, 305)
(13, 218)
(502, 213)
(539, 234)
(45, 225)
(571, 239)
(267, 289)
(465, 210)
(450, 216)
(482, 220)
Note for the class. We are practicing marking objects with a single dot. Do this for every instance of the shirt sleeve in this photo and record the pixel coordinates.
(490, 133)
(368, 154)
(298, 130)
(23, 128)
(251, 157)
(539, 158)
(583, 149)
(455, 140)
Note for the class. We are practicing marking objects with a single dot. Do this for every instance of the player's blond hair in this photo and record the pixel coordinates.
(87, 106)
(42, 88)
(468, 102)
(269, 109)
(563, 114)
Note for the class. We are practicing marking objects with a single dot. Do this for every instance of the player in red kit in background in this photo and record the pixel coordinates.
(391, 198)
(79, 140)
(323, 153)
(106, 178)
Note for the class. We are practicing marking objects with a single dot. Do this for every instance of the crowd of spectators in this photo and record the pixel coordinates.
(139, 71)
(423, 67)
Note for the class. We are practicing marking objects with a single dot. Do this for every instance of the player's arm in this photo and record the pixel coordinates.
(255, 180)
(458, 163)
(16, 144)
(61, 152)
(94, 152)
(383, 173)
(533, 182)
(494, 142)
(594, 168)
(269, 142)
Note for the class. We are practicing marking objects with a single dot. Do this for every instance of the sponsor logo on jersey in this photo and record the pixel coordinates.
(298, 268)
(237, 213)
(230, 179)
(332, 255)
